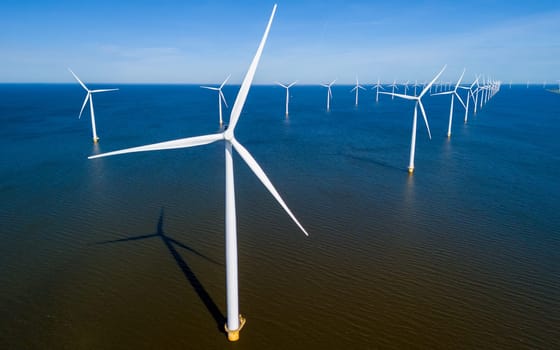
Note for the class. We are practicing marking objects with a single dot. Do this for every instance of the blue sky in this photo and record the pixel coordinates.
(311, 41)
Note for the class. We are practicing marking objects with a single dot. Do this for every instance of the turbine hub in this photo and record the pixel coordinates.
(228, 135)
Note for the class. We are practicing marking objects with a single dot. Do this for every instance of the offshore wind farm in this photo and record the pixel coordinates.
(409, 242)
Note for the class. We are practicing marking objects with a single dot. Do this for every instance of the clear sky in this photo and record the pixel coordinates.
(315, 41)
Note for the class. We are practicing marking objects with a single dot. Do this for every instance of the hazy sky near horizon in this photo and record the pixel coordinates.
(310, 41)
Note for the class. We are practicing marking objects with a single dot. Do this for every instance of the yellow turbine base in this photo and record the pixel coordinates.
(234, 335)
(96, 140)
(410, 170)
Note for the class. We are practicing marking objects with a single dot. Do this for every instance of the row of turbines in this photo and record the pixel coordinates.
(480, 93)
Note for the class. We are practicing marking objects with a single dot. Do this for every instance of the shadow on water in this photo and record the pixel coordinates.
(170, 244)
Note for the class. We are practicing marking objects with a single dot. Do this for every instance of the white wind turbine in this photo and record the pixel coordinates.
(221, 97)
(453, 94)
(234, 320)
(377, 87)
(329, 94)
(287, 87)
(394, 87)
(469, 96)
(356, 88)
(89, 96)
(418, 102)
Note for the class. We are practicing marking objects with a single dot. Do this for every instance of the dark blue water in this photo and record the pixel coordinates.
(127, 252)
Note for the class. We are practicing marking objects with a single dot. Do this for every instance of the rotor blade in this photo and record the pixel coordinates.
(461, 100)
(282, 85)
(355, 87)
(257, 170)
(292, 84)
(406, 97)
(461, 78)
(425, 118)
(332, 82)
(246, 85)
(442, 93)
(88, 95)
(427, 87)
(210, 88)
(180, 143)
(225, 81)
(78, 79)
(103, 90)
(223, 98)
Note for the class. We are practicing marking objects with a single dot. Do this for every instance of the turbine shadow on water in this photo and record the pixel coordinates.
(170, 244)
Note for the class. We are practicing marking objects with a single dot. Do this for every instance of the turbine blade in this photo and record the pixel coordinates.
(246, 85)
(78, 79)
(425, 118)
(210, 88)
(88, 95)
(282, 85)
(461, 78)
(353, 89)
(292, 84)
(427, 87)
(257, 170)
(442, 93)
(461, 100)
(103, 90)
(225, 81)
(223, 98)
(180, 143)
(406, 97)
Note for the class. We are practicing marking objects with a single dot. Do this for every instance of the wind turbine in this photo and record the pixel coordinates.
(221, 97)
(453, 93)
(287, 87)
(234, 320)
(418, 102)
(394, 87)
(329, 94)
(377, 87)
(89, 96)
(357, 87)
(469, 96)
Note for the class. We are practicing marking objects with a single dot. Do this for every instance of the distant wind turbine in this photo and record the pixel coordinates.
(234, 320)
(453, 94)
(329, 94)
(394, 87)
(469, 96)
(287, 87)
(377, 87)
(418, 102)
(89, 96)
(356, 88)
(221, 97)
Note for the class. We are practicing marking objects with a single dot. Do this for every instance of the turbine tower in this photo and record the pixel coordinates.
(89, 96)
(235, 321)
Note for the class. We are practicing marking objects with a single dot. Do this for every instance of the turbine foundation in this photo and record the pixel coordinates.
(233, 335)
(410, 170)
